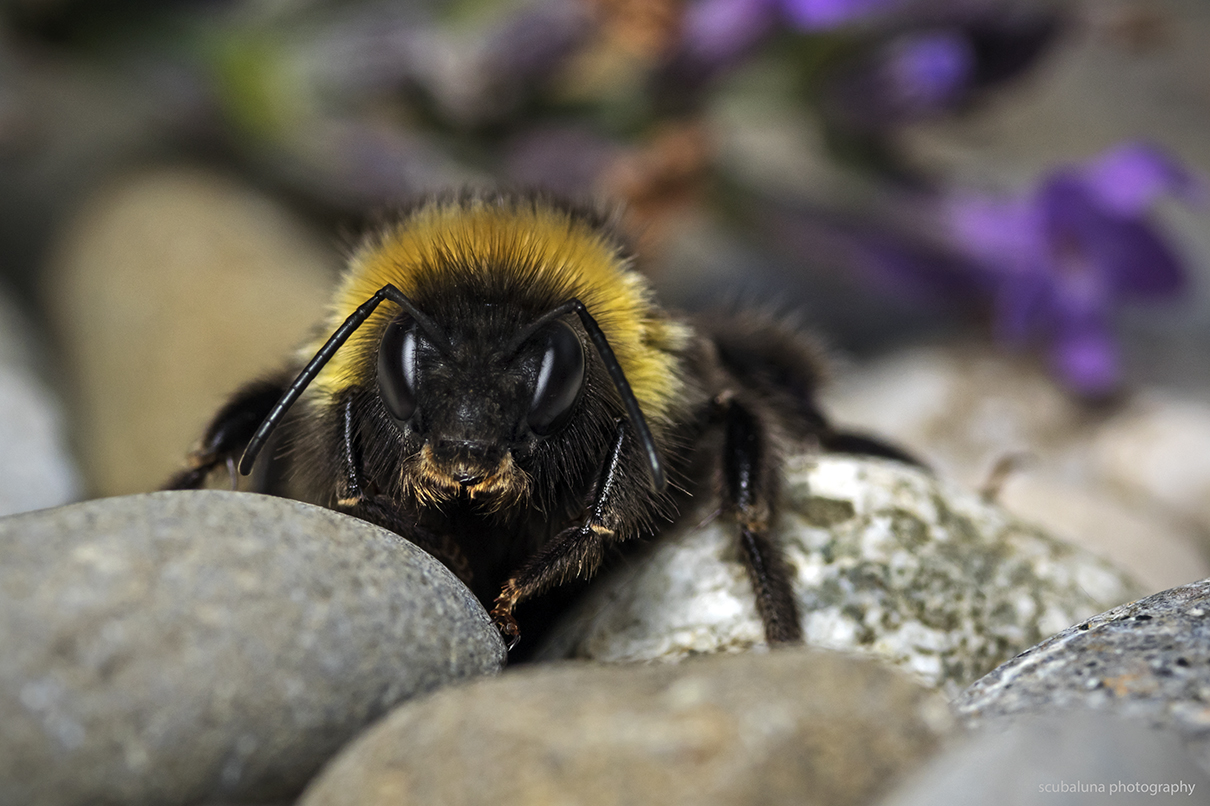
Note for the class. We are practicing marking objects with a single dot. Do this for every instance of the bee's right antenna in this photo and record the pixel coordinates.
(313, 367)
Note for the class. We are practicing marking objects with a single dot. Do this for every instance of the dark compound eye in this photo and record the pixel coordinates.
(397, 368)
(560, 378)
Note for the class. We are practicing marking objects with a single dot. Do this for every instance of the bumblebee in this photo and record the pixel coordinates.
(501, 388)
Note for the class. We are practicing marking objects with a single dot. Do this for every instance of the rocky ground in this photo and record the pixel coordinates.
(219, 647)
(215, 648)
(1027, 625)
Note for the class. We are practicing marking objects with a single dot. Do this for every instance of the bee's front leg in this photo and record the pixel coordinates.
(354, 499)
(574, 552)
(381, 511)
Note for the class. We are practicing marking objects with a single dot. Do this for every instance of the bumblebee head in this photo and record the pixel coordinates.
(473, 402)
(471, 387)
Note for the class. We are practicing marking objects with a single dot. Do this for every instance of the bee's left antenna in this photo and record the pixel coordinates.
(313, 367)
(659, 479)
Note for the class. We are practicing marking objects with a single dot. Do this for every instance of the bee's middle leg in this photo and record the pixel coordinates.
(751, 472)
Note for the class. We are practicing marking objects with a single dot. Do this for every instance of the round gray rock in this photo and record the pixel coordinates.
(1149, 659)
(175, 647)
(1075, 758)
(785, 727)
(888, 560)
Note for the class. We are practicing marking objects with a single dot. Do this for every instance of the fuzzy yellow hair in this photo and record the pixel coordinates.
(511, 241)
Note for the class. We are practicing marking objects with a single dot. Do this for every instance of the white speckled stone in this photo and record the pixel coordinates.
(1127, 482)
(888, 561)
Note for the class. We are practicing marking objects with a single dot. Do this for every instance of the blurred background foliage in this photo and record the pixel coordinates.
(1021, 171)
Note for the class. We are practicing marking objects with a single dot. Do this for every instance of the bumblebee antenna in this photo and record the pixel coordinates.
(334, 343)
(659, 479)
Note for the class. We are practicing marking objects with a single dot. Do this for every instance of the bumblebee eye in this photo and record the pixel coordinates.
(397, 368)
(560, 378)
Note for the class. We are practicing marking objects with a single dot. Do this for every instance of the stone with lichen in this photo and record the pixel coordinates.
(1146, 660)
(888, 561)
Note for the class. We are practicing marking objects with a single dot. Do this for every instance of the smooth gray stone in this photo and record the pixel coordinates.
(1148, 659)
(189, 646)
(783, 727)
(1067, 759)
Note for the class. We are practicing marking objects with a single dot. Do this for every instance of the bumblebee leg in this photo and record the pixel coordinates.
(774, 362)
(751, 473)
(228, 433)
(864, 445)
(574, 552)
(382, 511)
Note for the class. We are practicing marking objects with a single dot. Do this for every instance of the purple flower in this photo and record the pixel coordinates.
(929, 69)
(718, 31)
(906, 78)
(1059, 262)
(823, 15)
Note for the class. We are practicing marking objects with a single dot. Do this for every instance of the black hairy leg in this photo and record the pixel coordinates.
(750, 472)
(865, 445)
(574, 552)
(380, 510)
(785, 369)
(229, 432)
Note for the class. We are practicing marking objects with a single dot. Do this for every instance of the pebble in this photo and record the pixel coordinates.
(1158, 448)
(206, 645)
(36, 467)
(784, 727)
(889, 561)
(167, 290)
(1102, 479)
(1067, 759)
(1149, 659)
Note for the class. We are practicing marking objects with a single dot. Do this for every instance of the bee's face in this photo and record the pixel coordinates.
(474, 402)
